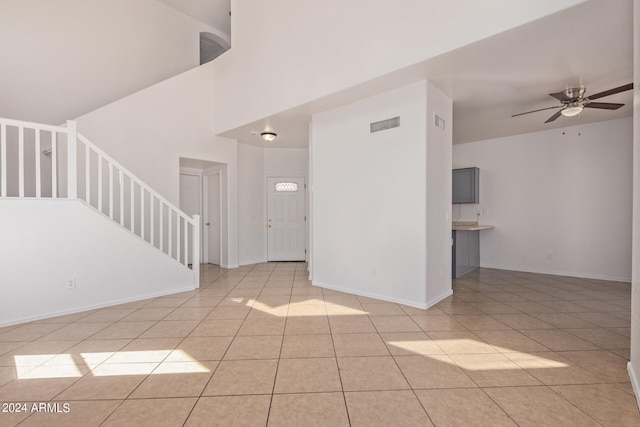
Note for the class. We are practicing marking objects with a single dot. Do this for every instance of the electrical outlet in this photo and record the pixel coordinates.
(549, 256)
(71, 284)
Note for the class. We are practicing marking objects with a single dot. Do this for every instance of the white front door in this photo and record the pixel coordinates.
(213, 220)
(286, 228)
(190, 204)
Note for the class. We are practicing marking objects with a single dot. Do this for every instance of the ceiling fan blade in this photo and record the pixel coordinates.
(555, 116)
(603, 105)
(535, 111)
(611, 91)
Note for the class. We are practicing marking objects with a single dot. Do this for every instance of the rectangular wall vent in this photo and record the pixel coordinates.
(439, 122)
(391, 123)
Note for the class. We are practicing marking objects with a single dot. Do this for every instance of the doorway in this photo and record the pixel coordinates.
(201, 192)
(286, 219)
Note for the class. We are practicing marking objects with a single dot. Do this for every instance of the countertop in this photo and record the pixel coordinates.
(469, 226)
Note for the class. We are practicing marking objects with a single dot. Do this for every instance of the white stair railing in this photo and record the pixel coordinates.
(44, 161)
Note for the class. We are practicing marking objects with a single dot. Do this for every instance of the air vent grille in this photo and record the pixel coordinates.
(391, 123)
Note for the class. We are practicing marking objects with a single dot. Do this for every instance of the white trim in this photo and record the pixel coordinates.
(190, 171)
(259, 261)
(557, 273)
(434, 301)
(95, 306)
(371, 295)
(206, 173)
(635, 382)
(228, 267)
(266, 214)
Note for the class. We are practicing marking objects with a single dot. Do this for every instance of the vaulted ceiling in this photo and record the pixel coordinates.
(513, 72)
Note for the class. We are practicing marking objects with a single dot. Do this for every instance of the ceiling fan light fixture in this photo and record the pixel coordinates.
(572, 110)
(268, 136)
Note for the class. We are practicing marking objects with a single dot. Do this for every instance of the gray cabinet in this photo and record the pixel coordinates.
(466, 185)
(466, 252)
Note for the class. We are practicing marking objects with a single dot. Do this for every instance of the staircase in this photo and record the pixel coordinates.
(44, 162)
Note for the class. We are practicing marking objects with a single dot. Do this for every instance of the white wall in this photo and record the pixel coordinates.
(305, 50)
(65, 58)
(439, 142)
(369, 197)
(149, 131)
(547, 193)
(255, 164)
(634, 364)
(33, 285)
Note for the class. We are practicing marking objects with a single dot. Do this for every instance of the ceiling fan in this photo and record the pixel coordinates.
(573, 101)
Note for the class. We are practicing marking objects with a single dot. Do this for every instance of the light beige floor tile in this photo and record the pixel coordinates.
(237, 377)
(307, 325)
(80, 413)
(479, 322)
(510, 341)
(558, 339)
(309, 410)
(75, 331)
(371, 373)
(433, 371)
(169, 301)
(603, 338)
(605, 403)
(348, 345)
(410, 343)
(603, 364)
(437, 322)
(156, 412)
(200, 349)
(522, 321)
(217, 328)
(462, 408)
(552, 369)
(189, 313)
(394, 324)
(230, 411)
(493, 370)
(351, 324)
(302, 346)
(146, 314)
(34, 390)
(254, 347)
(107, 315)
(170, 328)
(562, 320)
(383, 309)
(120, 330)
(494, 307)
(228, 313)
(307, 375)
(460, 343)
(531, 307)
(538, 406)
(29, 331)
(262, 327)
(603, 320)
(185, 380)
(385, 408)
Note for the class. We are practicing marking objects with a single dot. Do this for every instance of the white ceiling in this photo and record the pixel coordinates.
(513, 72)
(214, 13)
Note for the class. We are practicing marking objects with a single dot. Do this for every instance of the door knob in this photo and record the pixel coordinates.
(208, 224)
(269, 225)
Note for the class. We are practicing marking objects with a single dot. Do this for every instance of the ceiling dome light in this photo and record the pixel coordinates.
(268, 136)
(572, 110)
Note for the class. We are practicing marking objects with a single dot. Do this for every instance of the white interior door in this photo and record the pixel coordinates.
(213, 220)
(286, 240)
(190, 203)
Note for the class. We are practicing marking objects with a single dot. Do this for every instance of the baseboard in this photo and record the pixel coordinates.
(261, 261)
(370, 295)
(434, 301)
(635, 382)
(558, 273)
(92, 307)
(229, 266)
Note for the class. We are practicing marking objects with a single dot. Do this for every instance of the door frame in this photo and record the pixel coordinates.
(266, 213)
(217, 170)
(197, 173)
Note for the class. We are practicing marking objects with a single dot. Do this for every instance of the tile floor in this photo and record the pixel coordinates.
(260, 346)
